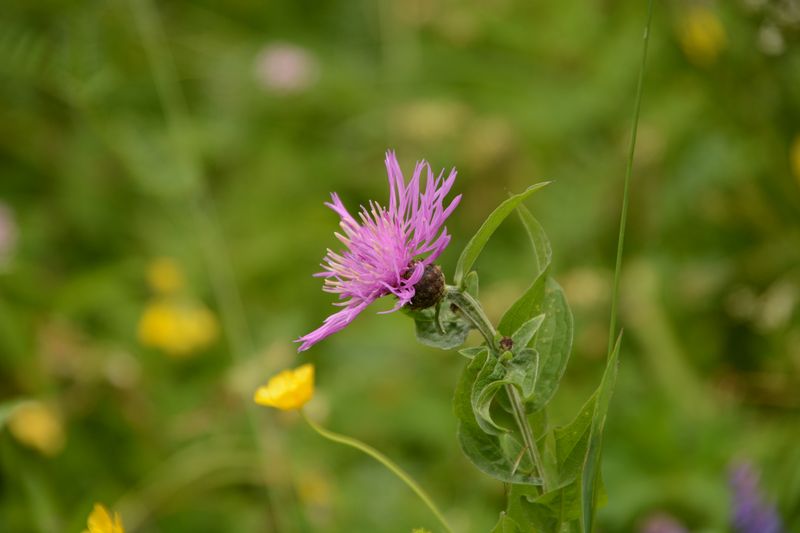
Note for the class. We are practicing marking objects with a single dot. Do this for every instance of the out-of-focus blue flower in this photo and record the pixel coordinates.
(751, 513)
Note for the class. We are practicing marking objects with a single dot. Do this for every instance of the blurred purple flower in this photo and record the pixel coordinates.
(751, 513)
(8, 232)
(662, 523)
(286, 68)
(385, 247)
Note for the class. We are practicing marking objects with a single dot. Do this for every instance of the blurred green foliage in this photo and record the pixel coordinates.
(104, 167)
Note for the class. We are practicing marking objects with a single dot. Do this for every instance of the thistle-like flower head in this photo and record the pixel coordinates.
(387, 249)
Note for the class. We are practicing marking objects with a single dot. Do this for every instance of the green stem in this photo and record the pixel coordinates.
(527, 434)
(385, 461)
(474, 312)
(623, 219)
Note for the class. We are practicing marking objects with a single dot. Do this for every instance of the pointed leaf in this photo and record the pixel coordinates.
(553, 339)
(547, 513)
(471, 284)
(495, 455)
(524, 308)
(590, 482)
(489, 380)
(542, 252)
(526, 331)
(524, 509)
(523, 371)
(571, 442)
(473, 351)
(479, 240)
(506, 525)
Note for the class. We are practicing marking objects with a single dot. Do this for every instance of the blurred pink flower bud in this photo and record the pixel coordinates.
(286, 68)
(8, 233)
(662, 523)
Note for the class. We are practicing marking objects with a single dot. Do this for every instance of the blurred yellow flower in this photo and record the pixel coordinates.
(100, 521)
(291, 389)
(701, 35)
(177, 328)
(420, 530)
(313, 489)
(164, 276)
(794, 155)
(38, 426)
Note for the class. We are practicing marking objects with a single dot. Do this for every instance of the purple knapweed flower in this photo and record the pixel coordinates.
(751, 513)
(388, 250)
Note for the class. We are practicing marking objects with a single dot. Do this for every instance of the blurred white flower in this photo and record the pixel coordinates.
(770, 40)
(8, 233)
(428, 120)
(286, 68)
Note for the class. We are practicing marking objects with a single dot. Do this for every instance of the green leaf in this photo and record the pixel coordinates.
(473, 351)
(521, 310)
(490, 379)
(523, 371)
(526, 331)
(496, 455)
(447, 331)
(547, 513)
(524, 308)
(519, 371)
(479, 240)
(506, 525)
(571, 442)
(523, 508)
(471, 284)
(553, 339)
(590, 480)
(542, 252)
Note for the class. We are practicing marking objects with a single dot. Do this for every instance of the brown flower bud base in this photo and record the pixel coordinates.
(429, 290)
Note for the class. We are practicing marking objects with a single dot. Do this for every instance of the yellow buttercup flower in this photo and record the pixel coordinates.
(701, 35)
(101, 521)
(794, 156)
(38, 426)
(164, 276)
(291, 389)
(176, 327)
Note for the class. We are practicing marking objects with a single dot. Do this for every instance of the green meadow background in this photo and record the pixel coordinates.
(163, 166)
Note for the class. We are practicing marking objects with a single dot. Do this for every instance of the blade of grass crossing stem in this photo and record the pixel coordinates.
(623, 219)
(591, 467)
(590, 478)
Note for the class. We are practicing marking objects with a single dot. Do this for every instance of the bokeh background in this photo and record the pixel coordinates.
(162, 171)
